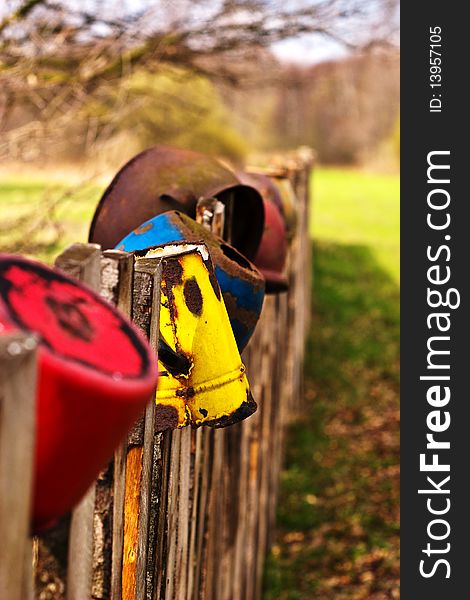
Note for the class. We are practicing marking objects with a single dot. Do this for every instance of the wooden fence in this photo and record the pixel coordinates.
(184, 514)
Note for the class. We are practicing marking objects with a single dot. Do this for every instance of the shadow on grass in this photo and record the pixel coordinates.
(338, 512)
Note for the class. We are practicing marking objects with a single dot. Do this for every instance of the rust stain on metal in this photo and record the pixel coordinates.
(225, 256)
(213, 278)
(193, 296)
(172, 272)
(246, 409)
(247, 317)
(172, 276)
(166, 417)
(163, 178)
(186, 392)
(143, 228)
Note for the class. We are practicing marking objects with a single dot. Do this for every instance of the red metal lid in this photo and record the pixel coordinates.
(96, 373)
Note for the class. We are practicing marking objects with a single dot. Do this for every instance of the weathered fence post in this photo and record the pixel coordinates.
(17, 434)
(142, 445)
(82, 262)
(117, 279)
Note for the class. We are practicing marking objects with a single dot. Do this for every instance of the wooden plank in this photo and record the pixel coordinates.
(214, 517)
(152, 440)
(182, 549)
(117, 274)
(131, 521)
(241, 522)
(203, 513)
(145, 501)
(156, 501)
(172, 515)
(102, 534)
(160, 573)
(80, 556)
(195, 483)
(117, 548)
(142, 310)
(138, 503)
(267, 374)
(82, 261)
(17, 432)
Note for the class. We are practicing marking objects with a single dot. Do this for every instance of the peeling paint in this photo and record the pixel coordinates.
(194, 323)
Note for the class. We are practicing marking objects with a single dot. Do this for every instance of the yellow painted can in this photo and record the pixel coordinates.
(213, 388)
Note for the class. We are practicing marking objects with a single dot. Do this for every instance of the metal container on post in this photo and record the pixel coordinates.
(241, 283)
(163, 178)
(202, 379)
(96, 373)
(272, 252)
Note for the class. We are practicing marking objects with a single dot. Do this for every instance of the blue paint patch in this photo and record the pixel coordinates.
(161, 231)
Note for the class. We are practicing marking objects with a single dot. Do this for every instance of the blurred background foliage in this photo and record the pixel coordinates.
(347, 109)
(105, 79)
(181, 108)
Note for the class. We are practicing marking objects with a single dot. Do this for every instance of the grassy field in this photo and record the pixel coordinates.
(352, 207)
(39, 217)
(338, 519)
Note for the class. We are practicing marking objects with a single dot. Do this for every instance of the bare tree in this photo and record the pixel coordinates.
(58, 57)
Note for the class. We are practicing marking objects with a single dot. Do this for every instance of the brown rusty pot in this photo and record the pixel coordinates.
(272, 252)
(164, 178)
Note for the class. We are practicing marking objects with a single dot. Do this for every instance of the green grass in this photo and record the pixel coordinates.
(354, 207)
(39, 217)
(338, 519)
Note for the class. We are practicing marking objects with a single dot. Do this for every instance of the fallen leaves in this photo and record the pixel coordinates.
(339, 507)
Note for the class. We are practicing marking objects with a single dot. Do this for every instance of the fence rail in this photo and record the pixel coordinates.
(185, 514)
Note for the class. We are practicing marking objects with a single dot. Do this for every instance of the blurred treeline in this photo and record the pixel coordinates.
(80, 86)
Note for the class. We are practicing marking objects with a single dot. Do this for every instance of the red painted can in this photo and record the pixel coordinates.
(272, 252)
(96, 373)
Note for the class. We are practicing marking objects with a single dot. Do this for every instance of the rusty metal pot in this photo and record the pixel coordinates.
(272, 252)
(289, 202)
(164, 178)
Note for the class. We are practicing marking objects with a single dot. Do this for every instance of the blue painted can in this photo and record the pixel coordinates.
(241, 284)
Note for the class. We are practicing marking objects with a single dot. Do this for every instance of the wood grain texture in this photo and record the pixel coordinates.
(131, 521)
(82, 261)
(141, 439)
(17, 434)
(117, 272)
